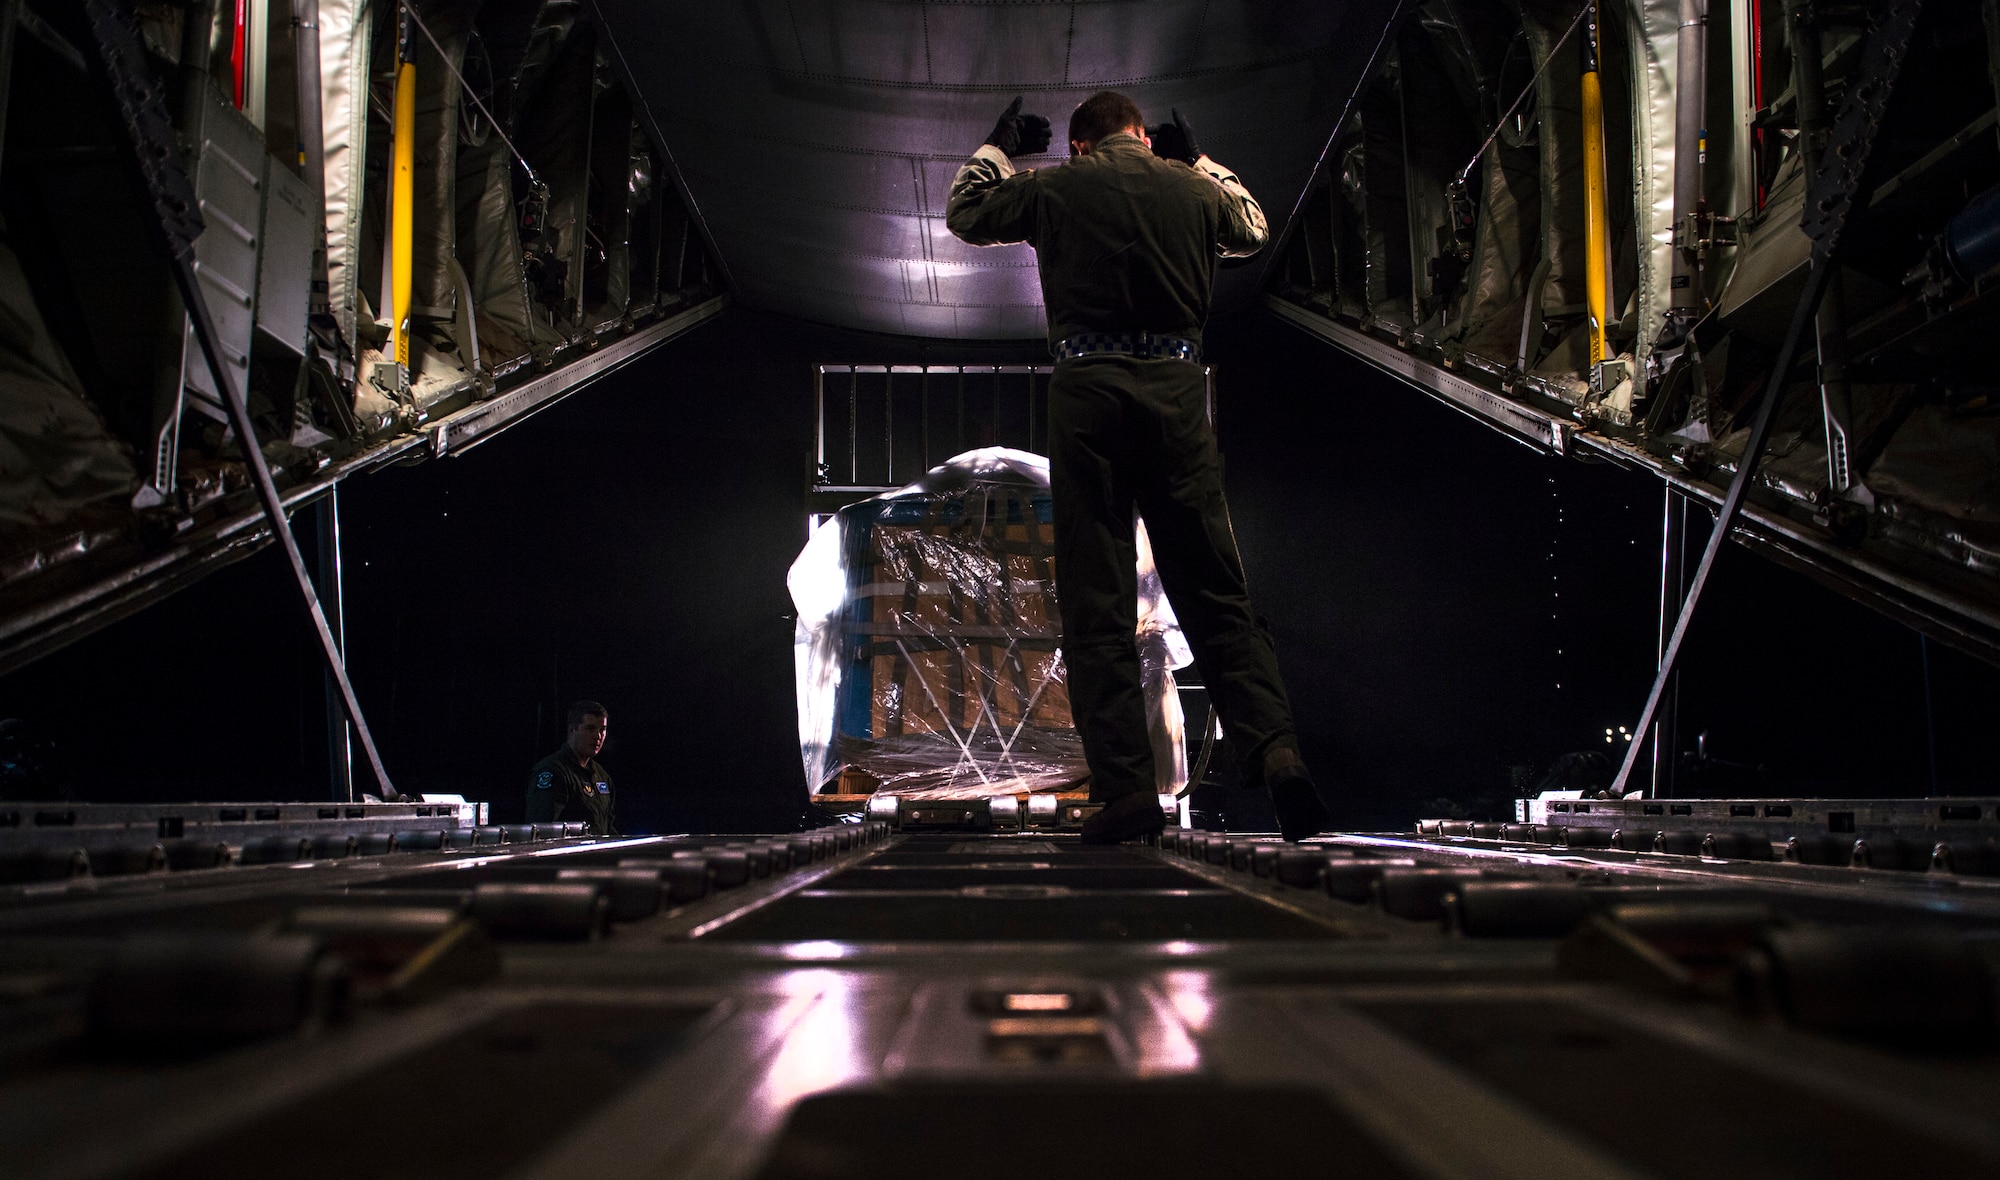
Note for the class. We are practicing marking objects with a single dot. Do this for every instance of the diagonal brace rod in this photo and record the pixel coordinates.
(1830, 202)
(274, 511)
(135, 98)
(1732, 503)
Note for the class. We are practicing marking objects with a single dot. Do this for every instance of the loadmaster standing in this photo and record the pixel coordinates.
(570, 784)
(1126, 235)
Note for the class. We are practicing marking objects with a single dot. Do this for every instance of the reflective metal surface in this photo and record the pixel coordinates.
(1008, 1004)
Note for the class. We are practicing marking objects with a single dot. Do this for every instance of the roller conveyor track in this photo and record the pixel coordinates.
(859, 1002)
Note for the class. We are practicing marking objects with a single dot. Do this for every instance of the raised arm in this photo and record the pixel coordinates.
(991, 203)
(1243, 230)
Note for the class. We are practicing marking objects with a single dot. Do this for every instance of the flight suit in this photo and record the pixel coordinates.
(559, 789)
(1126, 243)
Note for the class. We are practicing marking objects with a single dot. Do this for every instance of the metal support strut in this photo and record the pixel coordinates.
(1829, 202)
(1665, 732)
(332, 593)
(136, 98)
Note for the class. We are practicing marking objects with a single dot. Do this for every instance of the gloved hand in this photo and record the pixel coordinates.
(1175, 140)
(1020, 135)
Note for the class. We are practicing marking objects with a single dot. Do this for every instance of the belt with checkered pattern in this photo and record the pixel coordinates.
(1144, 345)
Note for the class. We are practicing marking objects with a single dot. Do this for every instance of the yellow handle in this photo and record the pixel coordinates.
(402, 207)
(1596, 220)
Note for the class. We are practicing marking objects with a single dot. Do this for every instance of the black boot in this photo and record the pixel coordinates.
(1127, 817)
(1293, 796)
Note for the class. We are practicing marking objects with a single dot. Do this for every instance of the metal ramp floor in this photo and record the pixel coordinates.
(858, 1002)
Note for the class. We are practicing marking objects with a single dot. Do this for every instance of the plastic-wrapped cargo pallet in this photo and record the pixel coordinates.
(928, 652)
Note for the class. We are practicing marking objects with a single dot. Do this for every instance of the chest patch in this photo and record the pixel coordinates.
(604, 788)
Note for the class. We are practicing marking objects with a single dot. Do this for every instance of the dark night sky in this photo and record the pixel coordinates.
(1447, 605)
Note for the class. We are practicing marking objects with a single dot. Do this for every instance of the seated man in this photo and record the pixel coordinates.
(569, 784)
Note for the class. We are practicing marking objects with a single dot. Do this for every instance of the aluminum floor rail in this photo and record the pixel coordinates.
(859, 1001)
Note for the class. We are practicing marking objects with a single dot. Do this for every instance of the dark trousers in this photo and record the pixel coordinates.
(1128, 435)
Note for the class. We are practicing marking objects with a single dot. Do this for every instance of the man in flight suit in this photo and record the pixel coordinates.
(569, 784)
(1126, 235)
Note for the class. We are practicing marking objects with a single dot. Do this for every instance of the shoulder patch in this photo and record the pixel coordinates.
(542, 782)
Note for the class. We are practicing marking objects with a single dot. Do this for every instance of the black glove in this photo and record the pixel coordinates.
(1174, 141)
(1020, 135)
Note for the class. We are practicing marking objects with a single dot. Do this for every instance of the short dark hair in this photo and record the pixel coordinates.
(582, 709)
(1101, 114)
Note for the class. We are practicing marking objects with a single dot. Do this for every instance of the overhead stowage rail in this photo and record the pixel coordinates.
(1467, 260)
(456, 217)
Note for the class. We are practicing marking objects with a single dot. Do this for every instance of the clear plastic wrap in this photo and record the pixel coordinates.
(928, 653)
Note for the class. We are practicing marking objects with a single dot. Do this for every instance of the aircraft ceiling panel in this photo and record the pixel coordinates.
(790, 223)
(950, 284)
(862, 40)
(819, 138)
(892, 183)
(1127, 42)
(995, 47)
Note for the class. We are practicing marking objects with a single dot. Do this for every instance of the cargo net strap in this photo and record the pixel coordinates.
(929, 653)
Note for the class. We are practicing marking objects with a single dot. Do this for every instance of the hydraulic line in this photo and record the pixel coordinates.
(239, 52)
(1596, 218)
(312, 132)
(1757, 98)
(1690, 154)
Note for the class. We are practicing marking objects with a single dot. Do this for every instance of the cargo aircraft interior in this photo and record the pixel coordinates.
(1607, 364)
